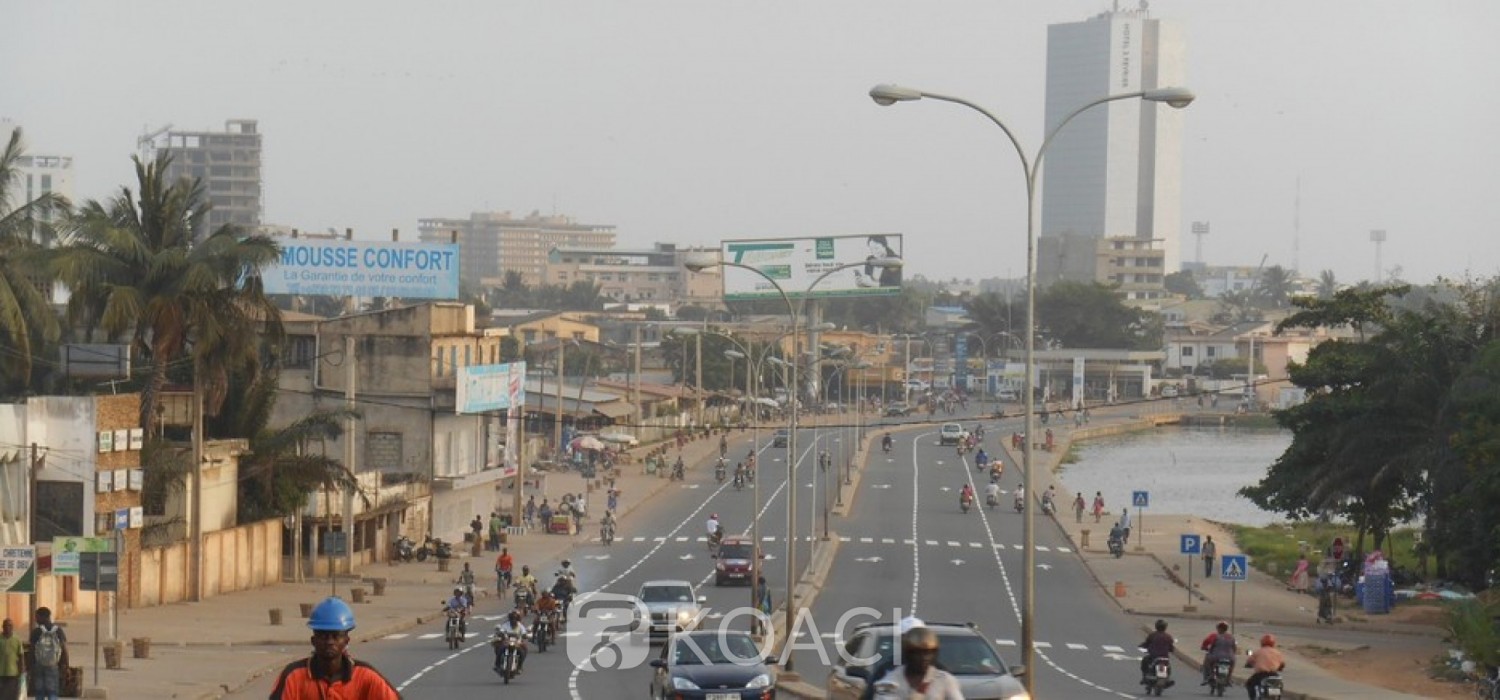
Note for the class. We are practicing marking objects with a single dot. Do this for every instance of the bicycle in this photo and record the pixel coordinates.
(1488, 687)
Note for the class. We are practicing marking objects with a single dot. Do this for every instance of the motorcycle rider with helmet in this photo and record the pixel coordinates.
(512, 625)
(525, 594)
(1266, 660)
(1158, 645)
(918, 676)
(1219, 645)
(992, 494)
(886, 443)
(459, 603)
(966, 495)
(329, 671)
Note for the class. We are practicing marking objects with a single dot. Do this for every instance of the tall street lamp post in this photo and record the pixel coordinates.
(1175, 97)
(698, 262)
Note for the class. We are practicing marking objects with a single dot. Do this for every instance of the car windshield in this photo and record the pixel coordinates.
(735, 551)
(716, 649)
(666, 594)
(958, 654)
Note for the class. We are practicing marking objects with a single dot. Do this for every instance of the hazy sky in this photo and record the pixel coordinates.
(693, 121)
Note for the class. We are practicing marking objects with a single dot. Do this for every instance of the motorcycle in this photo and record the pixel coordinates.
(434, 547)
(544, 631)
(1158, 676)
(677, 472)
(1020, 503)
(1116, 547)
(714, 540)
(1218, 676)
(453, 631)
(403, 549)
(739, 482)
(1047, 507)
(607, 533)
(1270, 687)
(507, 655)
(964, 502)
(992, 500)
(719, 473)
(524, 599)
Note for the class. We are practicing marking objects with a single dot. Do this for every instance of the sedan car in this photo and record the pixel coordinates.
(781, 438)
(735, 560)
(717, 665)
(898, 410)
(952, 434)
(673, 606)
(962, 651)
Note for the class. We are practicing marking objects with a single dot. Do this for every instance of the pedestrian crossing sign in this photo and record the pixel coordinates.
(1140, 499)
(1190, 544)
(1234, 567)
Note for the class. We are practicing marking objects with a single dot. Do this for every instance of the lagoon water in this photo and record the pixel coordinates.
(1195, 470)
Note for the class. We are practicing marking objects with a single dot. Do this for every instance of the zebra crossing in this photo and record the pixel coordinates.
(845, 539)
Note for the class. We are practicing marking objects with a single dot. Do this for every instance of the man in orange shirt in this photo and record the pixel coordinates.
(503, 566)
(1265, 661)
(330, 674)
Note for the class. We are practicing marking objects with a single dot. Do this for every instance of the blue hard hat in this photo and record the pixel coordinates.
(331, 615)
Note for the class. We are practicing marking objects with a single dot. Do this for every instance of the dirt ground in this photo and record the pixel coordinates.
(1400, 667)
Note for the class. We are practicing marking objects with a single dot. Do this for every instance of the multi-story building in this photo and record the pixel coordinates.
(1135, 266)
(226, 162)
(654, 275)
(494, 243)
(1116, 169)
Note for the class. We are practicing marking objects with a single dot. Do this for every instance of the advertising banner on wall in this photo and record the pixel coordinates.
(18, 569)
(795, 263)
(1077, 382)
(66, 551)
(350, 268)
(500, 387)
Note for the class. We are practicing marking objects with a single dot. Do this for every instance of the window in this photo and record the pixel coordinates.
(453, 359)
(1208, 351)
(468, 358)
(298, 353)
(437, 358)
(1187, 351)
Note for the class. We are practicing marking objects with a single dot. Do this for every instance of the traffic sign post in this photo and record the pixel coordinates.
(1191, 546)
(1140, 499)
(1233, 568)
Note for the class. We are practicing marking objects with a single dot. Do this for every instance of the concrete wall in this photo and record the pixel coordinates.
(236, 559)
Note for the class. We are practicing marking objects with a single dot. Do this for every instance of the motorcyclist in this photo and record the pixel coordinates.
(512, 625)
(1264, 661)
(525, 595)
(981, 459)
(966, 495)
(678, 468)
(997, 471)
(992, 494)
(547, 604)
(466, 583)
(886, 443)
(607, 522)
(1021, 495)
(719, 470)
(568, 572)
(563, 590)
(459, 604)
(1117, 535)
(713, 525)
(1049, 499)
(1219, 646)
(918, 676)
(1158, 645)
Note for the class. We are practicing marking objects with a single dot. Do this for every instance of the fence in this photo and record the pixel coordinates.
(238, 559)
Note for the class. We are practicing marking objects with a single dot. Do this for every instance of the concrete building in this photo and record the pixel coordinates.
(1134, 265)
(226, 162)
(1115, 170)
(654, 275)
(494, 243)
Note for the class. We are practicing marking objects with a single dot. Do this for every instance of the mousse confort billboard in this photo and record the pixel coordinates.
(849, 263)
(350, 268)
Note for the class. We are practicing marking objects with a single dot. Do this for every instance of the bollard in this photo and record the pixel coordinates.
(275, 616)
(1083, 539)
(358, 592)
(112, 653)
(379, 584)
(141, 646)
(305, 609)
(442, 564)
(1119, 589)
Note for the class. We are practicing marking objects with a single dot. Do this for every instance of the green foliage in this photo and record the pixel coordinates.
(1077, 315)
(1471, 626)
(513, 293)
(1183, 282)
(1281, 543)
(26, 319)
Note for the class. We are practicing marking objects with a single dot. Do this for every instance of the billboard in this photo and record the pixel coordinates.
(795, 263)
(484, 388)
(18, 569)
(364, 269)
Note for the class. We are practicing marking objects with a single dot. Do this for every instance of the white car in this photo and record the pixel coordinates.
(952, 434)
(673, 606)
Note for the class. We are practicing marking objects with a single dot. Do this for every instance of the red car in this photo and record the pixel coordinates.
(735, 561)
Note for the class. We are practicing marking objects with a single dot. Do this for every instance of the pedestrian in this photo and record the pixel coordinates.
(477, 527)
(329, 672)
(495, 526)
(545, 514)
(1098, 506)
(1299, 576)
(531, 511)
(1078, 507)
(12, 662)
(49, 651)
(1210, 550)
(1125, 524)
(763, 601)
(614, 500)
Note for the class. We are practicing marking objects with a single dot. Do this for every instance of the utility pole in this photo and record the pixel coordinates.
(562, 351)
(640, 411)
(31, 474)
(699, 374)
(195, 506)
(350, 377)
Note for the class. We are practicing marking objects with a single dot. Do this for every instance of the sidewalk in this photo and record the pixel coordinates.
(211, 648)
(1150, 580)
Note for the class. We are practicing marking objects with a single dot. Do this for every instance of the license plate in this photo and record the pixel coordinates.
(723, 696)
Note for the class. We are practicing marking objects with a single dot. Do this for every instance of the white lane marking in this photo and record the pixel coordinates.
(916, 552)
(1006, 642)
(430, 635)
(888, 540)
(1064, 550)
(931, 543)
(1040, 548)
(1042, 645)
(976, 545)
(638, 538)
(951, 543)
(1113, 649)
(398, 635)
(682, 539)
(865, 540)
(1077, 647)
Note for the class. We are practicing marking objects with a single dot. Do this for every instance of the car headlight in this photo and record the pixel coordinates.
(680, 683)
(684, 615)
(719, 566)
(760, 681)
(1023, 695)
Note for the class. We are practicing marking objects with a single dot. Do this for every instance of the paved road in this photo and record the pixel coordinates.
(910, 548)
(665, 540)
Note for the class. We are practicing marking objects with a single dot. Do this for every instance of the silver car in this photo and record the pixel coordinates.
(673, 606)
(962, 651)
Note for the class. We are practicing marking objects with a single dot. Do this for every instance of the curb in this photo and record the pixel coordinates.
(808, 588)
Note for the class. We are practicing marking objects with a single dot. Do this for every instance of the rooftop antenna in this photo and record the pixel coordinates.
(1200, 229)
(1377, 237)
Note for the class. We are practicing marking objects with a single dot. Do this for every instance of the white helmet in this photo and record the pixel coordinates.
(909, 623)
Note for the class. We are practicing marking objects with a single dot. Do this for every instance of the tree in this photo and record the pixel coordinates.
(1275, 288)
(133, 266)
(1237, 307)
(25, 229)
(1182, 282)
(1328, 285)
(1078, 315)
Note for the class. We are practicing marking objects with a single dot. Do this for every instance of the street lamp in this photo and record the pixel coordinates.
(1175, 97)
(698, 262)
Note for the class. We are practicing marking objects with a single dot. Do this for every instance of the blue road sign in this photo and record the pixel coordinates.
(1234, 567)
(1190, 544)
(1140, 499)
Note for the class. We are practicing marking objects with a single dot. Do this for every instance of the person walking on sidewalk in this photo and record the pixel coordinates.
(12, 662)
(49, 650)
(1098, 506)
(1078, 507)
(1125, 524)
(495, 527)
(531, 511)
(1210, 550)
(477, 527)
(330, 672)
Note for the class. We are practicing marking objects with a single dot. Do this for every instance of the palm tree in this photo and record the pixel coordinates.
(278, 473)
(1328, 285)
(133, 266)
(25, 229)
(1275, 289)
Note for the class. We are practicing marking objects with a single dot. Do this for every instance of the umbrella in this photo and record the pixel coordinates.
(621, 438)
(588, 442)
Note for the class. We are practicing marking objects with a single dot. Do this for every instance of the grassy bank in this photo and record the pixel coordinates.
(1281, 544)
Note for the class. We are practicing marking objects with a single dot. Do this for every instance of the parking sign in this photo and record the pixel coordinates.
(1191, 544)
